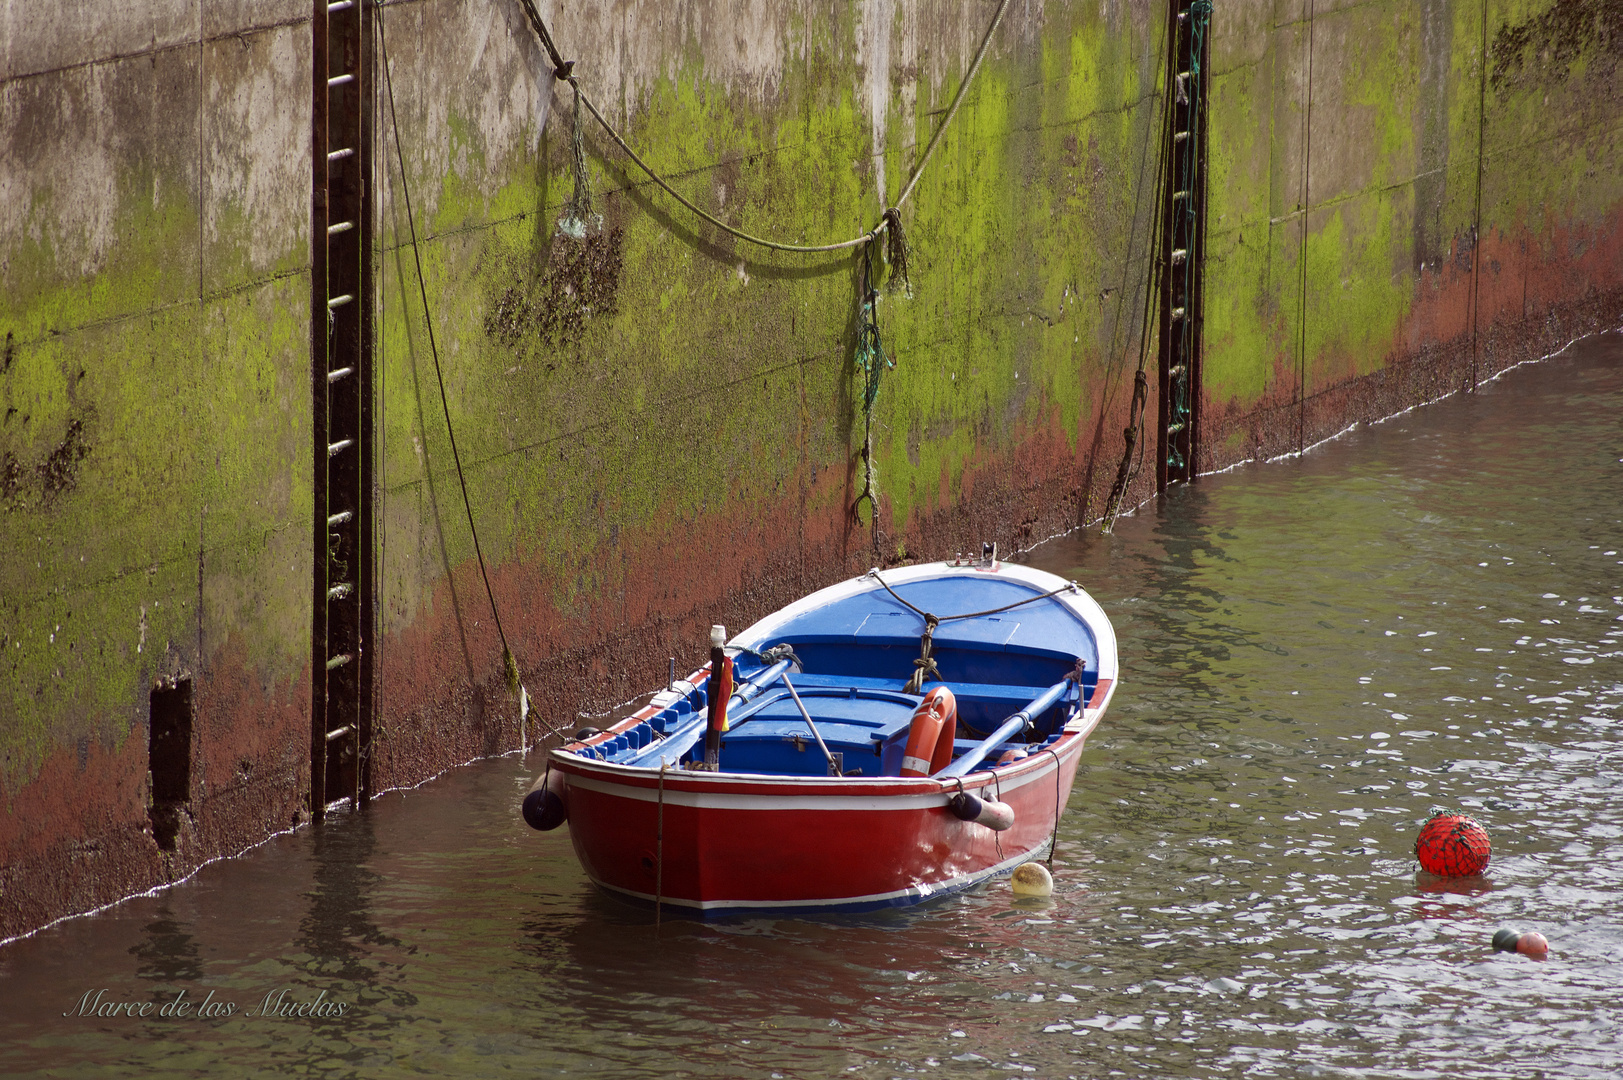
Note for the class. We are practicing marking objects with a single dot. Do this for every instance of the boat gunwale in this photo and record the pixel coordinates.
(1085, 718)
(1011, 775)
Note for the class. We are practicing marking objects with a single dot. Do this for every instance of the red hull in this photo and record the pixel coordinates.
(728, 842)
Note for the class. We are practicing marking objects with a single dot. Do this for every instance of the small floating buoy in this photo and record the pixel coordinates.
(1032, 879)
(1532, 944)
(1452, 845)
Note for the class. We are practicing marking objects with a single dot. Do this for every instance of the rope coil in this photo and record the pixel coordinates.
(924, 667)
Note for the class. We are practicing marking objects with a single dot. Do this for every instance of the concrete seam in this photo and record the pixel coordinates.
(174, 305)
(114, 58)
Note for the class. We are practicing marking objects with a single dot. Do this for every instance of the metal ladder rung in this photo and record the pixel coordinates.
(339, 446)
(340, 591)
(339, 5)
(339, 301)
(339, 661)
(1176, 371)
(342, 226)
(1177, 313)
(1176, 197)
(340, 733)
(1179, 255)
(341, 373)
(1173, 429)
(1179, 136)
(341, 80)
(335, 520)
(339, 155)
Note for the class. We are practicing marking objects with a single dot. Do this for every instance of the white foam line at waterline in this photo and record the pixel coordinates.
(155, 890)
(1422, 404)
(1244, 462)
(194, 871)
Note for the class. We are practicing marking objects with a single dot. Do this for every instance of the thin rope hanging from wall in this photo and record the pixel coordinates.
(890, 222)
(871, 362)
(578, 216)
(1132, 456)
(509, 662)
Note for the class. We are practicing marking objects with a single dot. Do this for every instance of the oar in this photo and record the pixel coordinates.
(1013, 724)
(835, 769)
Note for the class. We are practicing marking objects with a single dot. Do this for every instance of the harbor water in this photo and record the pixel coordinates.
(1316, 653)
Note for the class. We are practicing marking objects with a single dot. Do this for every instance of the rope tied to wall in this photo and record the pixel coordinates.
(897, 249)
(510, 670)
(1132, 455)
(578, 216)
(1124, 472)
(563, 70)
(871, 362)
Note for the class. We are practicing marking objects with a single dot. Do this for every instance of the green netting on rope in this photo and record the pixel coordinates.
(871, 362)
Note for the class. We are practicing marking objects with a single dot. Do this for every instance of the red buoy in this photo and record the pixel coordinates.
(1532, 944)
(1452, 845)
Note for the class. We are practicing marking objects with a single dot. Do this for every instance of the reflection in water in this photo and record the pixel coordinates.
(1316, 653)
(168, 953)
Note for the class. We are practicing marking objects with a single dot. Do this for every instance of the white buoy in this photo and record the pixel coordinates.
(1032, 879)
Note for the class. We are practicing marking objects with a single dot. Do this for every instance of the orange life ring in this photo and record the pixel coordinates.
(930, 736)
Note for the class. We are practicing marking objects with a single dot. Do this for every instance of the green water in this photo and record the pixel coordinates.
(1427, 612)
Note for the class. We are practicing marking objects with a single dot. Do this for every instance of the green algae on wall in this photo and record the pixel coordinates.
(678, 383)
(154, 383)
(659, 423)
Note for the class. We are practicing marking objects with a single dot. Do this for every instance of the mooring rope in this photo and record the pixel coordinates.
(1140, 384)
(659, 849)
(1053, 841)
(871, 362)
(1069, 586)
(925, 666)
(889, 221)
(509, 665)
(1132, 457)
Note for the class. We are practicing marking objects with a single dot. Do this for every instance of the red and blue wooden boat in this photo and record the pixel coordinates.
(827, 787)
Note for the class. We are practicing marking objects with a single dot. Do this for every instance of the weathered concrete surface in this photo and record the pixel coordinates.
(659, 425)
(1345, 276)
(154, 500)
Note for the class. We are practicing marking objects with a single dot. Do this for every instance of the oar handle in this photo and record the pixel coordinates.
(1013, 724)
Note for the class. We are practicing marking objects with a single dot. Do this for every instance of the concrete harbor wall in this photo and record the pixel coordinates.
(660, 426)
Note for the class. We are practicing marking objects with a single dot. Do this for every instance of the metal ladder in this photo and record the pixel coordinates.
(1183, 245)
(341, 335)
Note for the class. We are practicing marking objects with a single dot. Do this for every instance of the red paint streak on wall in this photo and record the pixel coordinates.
(78, 836)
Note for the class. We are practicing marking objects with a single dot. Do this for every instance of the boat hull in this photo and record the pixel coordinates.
(717, 843)
(677, 807)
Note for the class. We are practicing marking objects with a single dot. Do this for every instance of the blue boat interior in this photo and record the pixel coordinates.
(855, 656)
